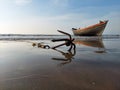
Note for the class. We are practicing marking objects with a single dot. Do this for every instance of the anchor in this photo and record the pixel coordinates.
(68, 41)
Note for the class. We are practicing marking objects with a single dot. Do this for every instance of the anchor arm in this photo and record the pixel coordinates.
(58, 46)
(65, 34)
(57, 40)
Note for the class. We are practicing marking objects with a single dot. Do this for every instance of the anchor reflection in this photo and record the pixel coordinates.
(97, 43)
(68, 56)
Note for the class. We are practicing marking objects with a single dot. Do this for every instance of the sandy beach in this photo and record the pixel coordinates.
(92, 66)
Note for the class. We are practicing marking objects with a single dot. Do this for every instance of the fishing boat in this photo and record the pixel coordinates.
(93, 30)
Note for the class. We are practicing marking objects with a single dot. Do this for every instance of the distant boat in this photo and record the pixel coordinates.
(93, 30)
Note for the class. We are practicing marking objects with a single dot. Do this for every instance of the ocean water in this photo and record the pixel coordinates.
(93, 65)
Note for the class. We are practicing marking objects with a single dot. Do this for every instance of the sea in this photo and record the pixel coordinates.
(48, 37)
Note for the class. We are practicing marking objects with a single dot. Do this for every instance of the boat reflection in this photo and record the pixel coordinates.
(68, 56)
(95, 43)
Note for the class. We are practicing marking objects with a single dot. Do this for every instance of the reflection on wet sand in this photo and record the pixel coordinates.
(68, 56)
(23, 68)
(98, 43)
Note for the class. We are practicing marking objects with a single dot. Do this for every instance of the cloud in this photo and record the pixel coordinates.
(46, 25)
(22, 2)
(50, 24)
(62, 3)
(113, 26)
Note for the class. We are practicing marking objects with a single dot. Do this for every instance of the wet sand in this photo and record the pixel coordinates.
(93, 66)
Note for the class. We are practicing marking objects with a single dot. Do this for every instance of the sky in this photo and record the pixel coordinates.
(48, 16)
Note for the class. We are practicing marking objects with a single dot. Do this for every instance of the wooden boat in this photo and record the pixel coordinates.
(93, 30)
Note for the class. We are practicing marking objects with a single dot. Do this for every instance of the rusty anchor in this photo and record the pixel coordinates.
(68, 41)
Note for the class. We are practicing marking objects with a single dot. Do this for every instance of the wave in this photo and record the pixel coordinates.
(50, 37)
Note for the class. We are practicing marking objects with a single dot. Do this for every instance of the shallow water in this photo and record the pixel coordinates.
(93, 65)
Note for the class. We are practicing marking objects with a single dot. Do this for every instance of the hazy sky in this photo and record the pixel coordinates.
(46, 16)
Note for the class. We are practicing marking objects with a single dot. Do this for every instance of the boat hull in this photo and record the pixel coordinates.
(94, 30)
